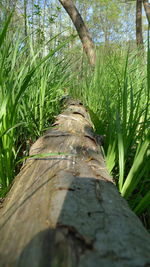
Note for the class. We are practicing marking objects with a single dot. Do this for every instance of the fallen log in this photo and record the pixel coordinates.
(64, 209)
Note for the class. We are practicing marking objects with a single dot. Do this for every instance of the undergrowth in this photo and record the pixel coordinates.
(117, 96)
(31, 86)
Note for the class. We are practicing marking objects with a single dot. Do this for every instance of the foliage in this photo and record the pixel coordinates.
(34, 76)
(117, 95)
(30, 89)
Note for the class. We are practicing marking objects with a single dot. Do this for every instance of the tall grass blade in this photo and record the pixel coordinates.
(129, 184)
(5, 28)
(143, 204)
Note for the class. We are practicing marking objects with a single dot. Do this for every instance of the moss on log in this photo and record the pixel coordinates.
(64, 209)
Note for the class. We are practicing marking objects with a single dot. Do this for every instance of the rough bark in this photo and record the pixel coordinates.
(139, 36)
(147, 10)
(81, 28)
(64, 210)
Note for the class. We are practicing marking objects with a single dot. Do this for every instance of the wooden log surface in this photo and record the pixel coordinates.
(64, 210)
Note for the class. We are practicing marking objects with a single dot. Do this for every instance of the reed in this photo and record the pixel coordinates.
(117, 95)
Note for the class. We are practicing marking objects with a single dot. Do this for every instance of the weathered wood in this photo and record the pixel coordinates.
(65, 210)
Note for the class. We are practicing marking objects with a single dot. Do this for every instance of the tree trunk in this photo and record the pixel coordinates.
(32, 9)
(147, 10)
(81, 28)
(64, 210)
(139, 36)
(25, 18)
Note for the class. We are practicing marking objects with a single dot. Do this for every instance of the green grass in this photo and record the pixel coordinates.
(117, 95)
(30, 89)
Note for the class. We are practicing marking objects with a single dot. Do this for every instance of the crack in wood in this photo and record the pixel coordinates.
(85, 242)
